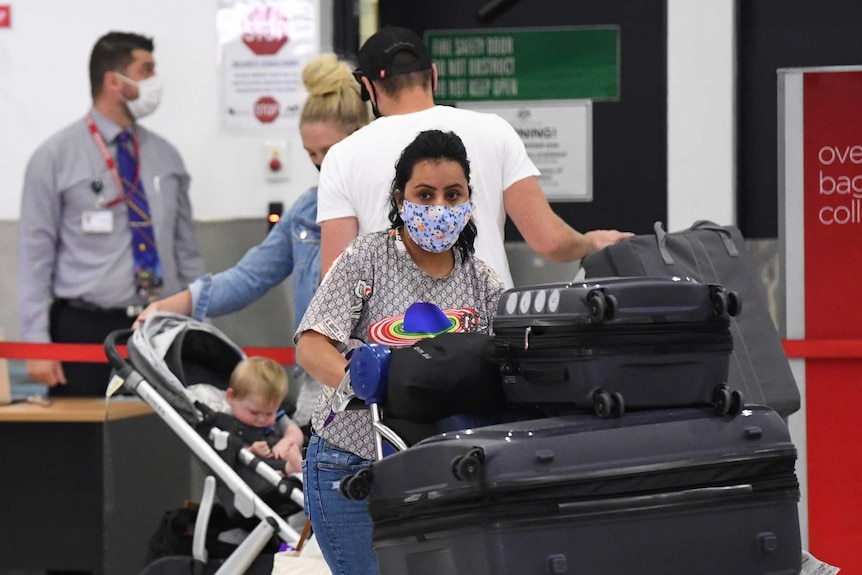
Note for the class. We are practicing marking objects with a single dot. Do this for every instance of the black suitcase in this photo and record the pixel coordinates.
(618, 343)
(667, 491)
(711, 253)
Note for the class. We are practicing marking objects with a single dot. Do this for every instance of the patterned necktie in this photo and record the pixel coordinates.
(148, 268)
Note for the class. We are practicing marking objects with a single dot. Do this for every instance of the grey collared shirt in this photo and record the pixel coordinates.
(59, 258)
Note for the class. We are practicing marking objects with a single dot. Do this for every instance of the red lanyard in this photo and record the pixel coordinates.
(109, 161)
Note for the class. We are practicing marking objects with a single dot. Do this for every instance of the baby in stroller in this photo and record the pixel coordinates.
(251, 415)
(257, 389)
(183, 369)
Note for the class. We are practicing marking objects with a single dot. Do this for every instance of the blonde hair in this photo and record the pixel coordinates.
(333, 94)
(259, 375)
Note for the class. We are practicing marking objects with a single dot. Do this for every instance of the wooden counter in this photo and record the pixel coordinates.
(75, 409)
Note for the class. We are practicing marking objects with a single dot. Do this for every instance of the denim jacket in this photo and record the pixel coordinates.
(292, 246)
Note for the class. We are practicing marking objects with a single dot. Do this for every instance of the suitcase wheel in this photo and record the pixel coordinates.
(611, 306)
(357, 486)
(601, 306)
(724, 303)
(619, 406)
(608, 404)
(719, 301)
(737, 402)
(721, 399)
(734, 304)
(467, 467)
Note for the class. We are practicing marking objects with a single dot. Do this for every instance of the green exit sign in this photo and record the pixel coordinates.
(526, 63)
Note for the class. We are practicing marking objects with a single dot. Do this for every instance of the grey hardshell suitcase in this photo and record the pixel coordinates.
(665, 491)
(711, 253)
(613, 344)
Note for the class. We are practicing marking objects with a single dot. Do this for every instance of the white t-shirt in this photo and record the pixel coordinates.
(356, 176)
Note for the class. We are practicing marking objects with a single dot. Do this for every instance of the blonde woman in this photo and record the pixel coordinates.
(332, 111)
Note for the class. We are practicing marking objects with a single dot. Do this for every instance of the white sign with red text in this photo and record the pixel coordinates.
(263, 46)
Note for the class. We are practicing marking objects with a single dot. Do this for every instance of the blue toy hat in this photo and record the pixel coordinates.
(424, 317)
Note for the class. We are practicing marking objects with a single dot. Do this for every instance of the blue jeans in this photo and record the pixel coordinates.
(342, 527)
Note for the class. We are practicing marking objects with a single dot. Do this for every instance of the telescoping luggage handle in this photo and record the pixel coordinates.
(661, 238)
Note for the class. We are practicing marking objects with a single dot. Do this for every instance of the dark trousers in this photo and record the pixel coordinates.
(70, 324)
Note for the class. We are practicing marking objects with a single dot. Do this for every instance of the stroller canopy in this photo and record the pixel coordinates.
(173, 352)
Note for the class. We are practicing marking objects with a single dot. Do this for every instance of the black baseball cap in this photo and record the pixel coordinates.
(378, 52)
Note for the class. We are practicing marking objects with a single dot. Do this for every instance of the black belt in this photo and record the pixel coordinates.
(131, 311)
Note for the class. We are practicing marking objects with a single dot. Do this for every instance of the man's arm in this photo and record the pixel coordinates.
(335, 235)
(37, 254)
(544, 231)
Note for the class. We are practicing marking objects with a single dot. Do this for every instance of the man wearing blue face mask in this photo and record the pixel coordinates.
(106, 224)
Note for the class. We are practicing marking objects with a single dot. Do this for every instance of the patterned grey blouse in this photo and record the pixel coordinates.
(365, 295)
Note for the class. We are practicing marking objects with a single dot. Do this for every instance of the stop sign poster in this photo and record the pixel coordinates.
(263, 46)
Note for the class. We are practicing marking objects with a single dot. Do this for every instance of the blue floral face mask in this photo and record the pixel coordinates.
(435, 228)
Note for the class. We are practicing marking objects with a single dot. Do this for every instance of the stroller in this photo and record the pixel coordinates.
(168, 356)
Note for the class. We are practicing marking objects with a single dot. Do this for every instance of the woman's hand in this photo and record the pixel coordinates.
(177, 303)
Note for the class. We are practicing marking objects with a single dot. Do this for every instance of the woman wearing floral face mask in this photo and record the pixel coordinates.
(427, 256)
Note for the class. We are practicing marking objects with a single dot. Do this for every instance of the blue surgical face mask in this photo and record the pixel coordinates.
(435, 228)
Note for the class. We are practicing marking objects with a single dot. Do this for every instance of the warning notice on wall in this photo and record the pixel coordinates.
(558, 137)
(263, 46)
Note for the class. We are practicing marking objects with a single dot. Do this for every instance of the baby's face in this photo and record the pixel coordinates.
(253, 410)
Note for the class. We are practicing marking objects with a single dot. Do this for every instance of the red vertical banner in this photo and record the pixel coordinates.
(5, 16)
(832, 151)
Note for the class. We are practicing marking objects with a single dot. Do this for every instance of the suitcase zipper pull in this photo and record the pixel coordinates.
(527, 337)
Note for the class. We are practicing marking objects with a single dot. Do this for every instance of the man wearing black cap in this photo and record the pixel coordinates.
(397, 76)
